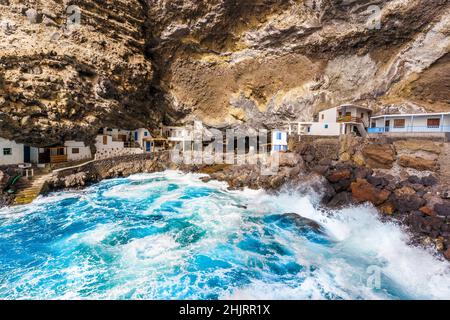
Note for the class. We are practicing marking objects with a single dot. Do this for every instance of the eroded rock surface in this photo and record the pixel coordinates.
(132, 63)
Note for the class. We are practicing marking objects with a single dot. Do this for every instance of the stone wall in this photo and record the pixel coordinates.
(110, 168)
(106, 153)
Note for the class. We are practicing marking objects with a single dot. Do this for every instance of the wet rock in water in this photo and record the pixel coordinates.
(302, 222)
(76, 180)
(447, 254)
(339, 175)
(406, 199)
(427, 211)
(387, 208)
(339, 200)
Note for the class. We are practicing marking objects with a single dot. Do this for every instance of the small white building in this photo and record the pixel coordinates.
(412, 123)
(142, 137)
(279, 141)
(344, 119)
(77, 150)
(183, 136)
(118, 142)
(11, 152)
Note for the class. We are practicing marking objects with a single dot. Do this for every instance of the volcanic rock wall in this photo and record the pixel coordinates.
(229, 63)
(70, 67)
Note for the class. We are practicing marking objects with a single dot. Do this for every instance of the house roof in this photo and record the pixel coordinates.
(411, 115)
(354, 105)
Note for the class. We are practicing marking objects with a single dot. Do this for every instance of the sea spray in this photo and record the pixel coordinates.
(171, 236)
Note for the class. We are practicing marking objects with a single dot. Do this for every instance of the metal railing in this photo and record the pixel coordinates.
(349, 119)
(418, 129)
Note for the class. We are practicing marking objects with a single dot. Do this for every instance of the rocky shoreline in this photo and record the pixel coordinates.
(420, 203)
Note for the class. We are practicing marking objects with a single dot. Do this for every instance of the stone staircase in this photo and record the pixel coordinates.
(362, 130)
(27, 192)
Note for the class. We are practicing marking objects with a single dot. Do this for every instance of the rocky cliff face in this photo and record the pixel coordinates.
(229, 63)
(70, 67)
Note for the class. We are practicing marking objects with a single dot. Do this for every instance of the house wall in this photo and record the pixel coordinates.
(329, 115)
(355, 112)
(321, 129)
(276, 143)
(17, 152)
(141, 134)
(112, 148)
(34, 155)
(419, 123)
(84, 152)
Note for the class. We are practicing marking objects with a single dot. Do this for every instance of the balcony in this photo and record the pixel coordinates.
(349, 119)
(58, 158)
(418, 129)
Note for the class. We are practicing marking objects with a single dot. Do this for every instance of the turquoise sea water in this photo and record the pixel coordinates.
(171, 236)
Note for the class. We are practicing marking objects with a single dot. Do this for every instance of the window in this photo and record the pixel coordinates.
(326, 126)
(373, 125)
(323, 116)
(309, 129)
(362, 115)
(145, 134)
(433, 123)
(75, 150)
(278, 135)
(399, 123)
(105, 140)
(7, 151)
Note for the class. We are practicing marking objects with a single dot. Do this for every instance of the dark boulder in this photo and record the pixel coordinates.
(442, 209)
(414, 179)
(429, 181)
(379, 182)
(340, 200)
(302, 223)
(408, 203)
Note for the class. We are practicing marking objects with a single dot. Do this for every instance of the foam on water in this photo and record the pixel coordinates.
(171, 236)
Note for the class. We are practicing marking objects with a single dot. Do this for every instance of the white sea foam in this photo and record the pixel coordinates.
(156, 265)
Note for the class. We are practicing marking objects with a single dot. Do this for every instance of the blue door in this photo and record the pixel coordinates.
(135, 136)
(148, 146)
(26, 154)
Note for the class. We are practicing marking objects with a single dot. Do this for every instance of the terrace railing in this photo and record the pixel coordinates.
(418, 129)
(349, 119)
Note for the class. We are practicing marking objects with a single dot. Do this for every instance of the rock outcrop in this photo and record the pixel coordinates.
(379, 156)
(68, 68)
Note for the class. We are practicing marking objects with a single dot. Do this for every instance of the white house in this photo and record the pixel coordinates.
(279, 140)
(77, 150)
(11, 152)
(416, 123)
(344, 119)
(140, 136)
(118, 142)
(183, 136)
